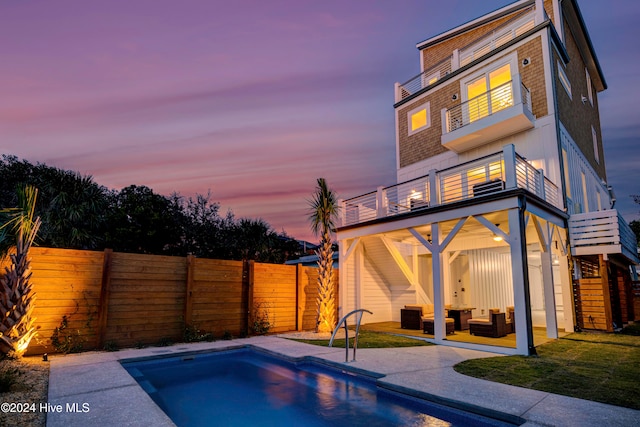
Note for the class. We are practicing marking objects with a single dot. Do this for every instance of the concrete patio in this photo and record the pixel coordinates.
(104, 394)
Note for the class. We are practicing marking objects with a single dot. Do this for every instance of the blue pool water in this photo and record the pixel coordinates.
(246, 388)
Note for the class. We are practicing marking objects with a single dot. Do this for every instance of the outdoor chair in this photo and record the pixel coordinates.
(495, 326)
(511, 320)
(411, 315)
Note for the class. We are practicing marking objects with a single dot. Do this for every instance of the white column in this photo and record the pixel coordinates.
(438, 281)
(359, 269)
(455, 60)
(509, 154)
(433, 188)
(549, 294)
(381, 205)
(520, 278)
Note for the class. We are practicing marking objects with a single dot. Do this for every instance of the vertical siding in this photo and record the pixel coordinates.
(491, 283)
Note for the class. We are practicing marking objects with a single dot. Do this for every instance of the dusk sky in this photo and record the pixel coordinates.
(254, 100)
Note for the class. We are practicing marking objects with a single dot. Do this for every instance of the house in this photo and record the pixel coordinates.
(501, 199)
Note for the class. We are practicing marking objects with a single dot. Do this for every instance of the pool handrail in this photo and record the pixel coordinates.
(359, 311)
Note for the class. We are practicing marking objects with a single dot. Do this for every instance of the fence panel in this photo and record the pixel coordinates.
(146, 301)
(133, 299)
(219, 299)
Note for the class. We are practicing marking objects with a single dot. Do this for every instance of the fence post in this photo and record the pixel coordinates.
(105, 293)
(247, 275)
(188, 300)
(301, 297)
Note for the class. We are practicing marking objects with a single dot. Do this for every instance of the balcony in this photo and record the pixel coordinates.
(495, 114)
(491, 174)
(602, 232)
(478, 48)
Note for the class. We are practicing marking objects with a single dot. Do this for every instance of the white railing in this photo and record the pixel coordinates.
(602, 232)
(424, 79)
(494, 173)
(485, 105)
(514, 27)
(360, 209)
(508, 31)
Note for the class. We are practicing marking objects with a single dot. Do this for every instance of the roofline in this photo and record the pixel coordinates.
(496, 14)
(545, 24)
(592, 51)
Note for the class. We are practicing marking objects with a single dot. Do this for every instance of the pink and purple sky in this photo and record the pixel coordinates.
(253, 100)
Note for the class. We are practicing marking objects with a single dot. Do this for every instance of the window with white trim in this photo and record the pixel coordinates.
(596, 153)
(585, 195)
(564, 80)
(589, 89)
(419, 118)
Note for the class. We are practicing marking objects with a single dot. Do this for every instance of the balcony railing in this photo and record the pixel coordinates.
(424, 79)
(490, 174)
(519, 24)
(485, 105)
(514, 27)
(602, 232)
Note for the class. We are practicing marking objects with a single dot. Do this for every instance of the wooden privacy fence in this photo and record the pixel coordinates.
(132, 299)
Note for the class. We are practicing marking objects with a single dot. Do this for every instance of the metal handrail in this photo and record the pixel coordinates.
(360, 311)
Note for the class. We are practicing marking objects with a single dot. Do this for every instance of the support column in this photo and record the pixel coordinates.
(520, 278)
(437, 266)
(549, 294)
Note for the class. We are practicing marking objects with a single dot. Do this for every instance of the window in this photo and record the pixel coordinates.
(565, 163)
(585, 195)
(419, 118)
(599, 199)
(596, 153)
(496, 85)
(564, 80)
(431, 79)
(589, 89)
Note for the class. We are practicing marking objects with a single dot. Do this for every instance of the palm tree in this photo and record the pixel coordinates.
(323, 211)
(16, 291)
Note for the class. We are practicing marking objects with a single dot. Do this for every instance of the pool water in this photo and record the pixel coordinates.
(246, 388)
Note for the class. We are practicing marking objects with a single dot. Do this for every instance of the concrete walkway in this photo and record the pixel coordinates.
(93, 389)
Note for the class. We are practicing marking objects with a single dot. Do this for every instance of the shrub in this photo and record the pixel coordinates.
(65, 340)
(193, 334)
(261, 321)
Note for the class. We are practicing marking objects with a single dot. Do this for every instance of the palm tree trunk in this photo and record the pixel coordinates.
(326, 291)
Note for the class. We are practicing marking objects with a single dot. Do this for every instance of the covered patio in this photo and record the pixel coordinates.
(494, 251)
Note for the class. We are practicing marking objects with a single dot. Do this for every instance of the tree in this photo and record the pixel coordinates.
(17, 298)
(141, 221)
(323, 212)
(72, 206)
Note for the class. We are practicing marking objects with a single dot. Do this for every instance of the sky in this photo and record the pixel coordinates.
(254, 100)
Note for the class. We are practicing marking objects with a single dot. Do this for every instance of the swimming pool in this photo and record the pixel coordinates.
(247, 388)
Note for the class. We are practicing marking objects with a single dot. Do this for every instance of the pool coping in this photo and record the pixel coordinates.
(95, 389)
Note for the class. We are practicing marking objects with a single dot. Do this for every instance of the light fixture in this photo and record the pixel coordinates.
(497, 237)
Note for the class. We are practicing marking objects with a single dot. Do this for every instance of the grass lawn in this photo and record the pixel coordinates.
(368, 339)
(593, 366)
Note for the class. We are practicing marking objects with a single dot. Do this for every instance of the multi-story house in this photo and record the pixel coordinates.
(502, 199)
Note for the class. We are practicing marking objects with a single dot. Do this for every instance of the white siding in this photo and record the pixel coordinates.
(579, 165)
(490, 280)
